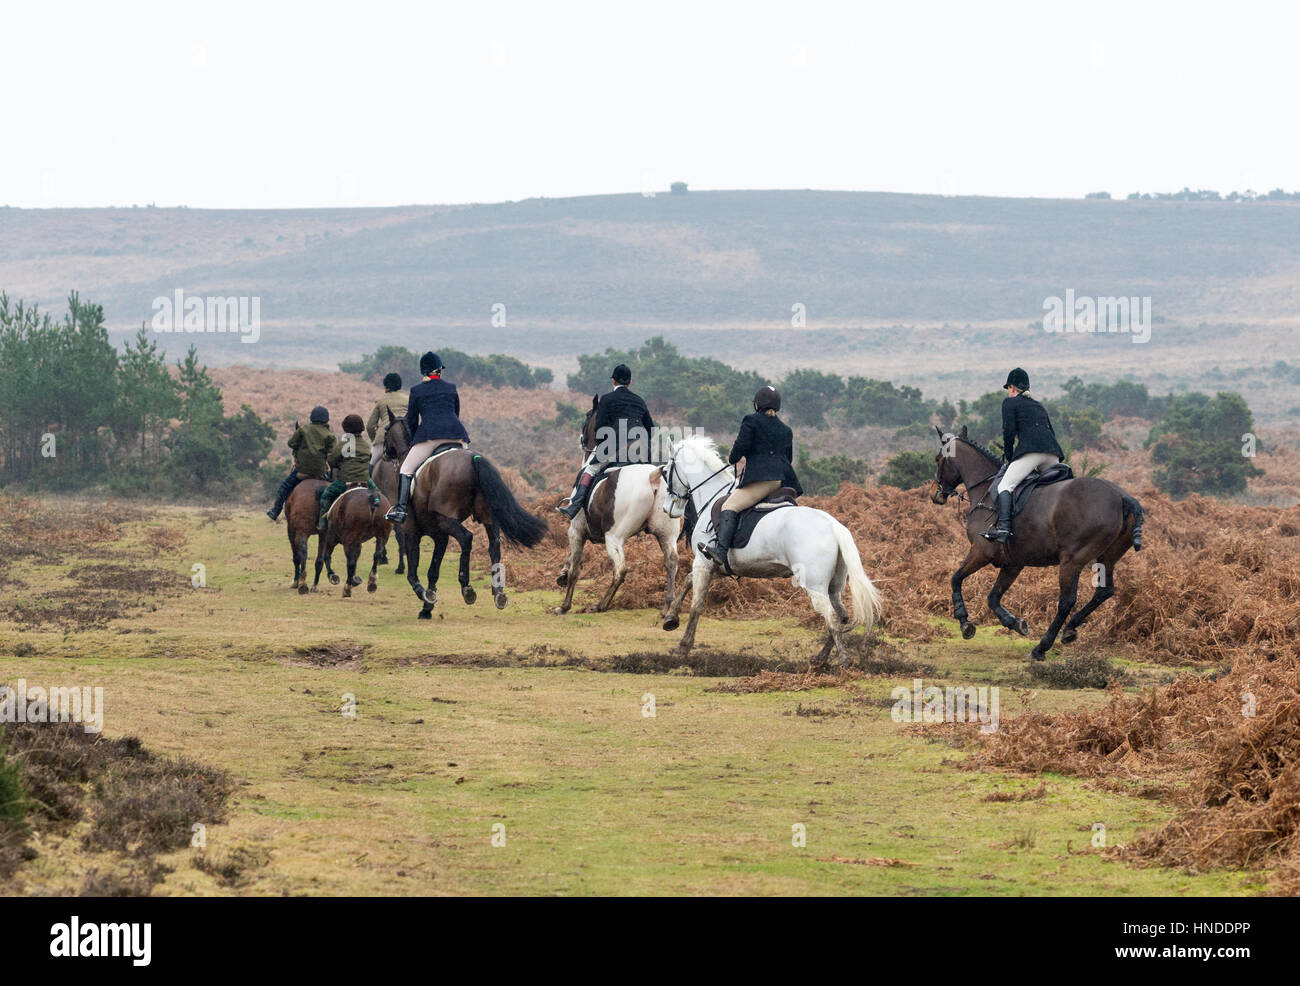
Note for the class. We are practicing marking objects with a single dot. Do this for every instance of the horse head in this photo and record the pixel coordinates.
(587, 437)
(397, 438)
(958, 463)
(695, 471)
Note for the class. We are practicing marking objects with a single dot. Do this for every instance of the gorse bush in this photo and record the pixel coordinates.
(76, 411)
(1200, 445)
(496, 370)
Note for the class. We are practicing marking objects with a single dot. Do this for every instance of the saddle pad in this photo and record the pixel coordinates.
(784, 497)
(339, 499)
(440, 450)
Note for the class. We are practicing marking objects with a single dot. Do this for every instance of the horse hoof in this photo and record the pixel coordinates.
(334, 579)
(562, 580)
(672, 623)
(1021, 626)
(501, 600)
(355, 580)
(469, 594)
(967, 631)
(347, 592)
(424, 614)
(1069, 635)
(303, 588)
(371, 586)
(1038, 654)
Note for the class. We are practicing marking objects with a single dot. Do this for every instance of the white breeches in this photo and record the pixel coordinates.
(1022, 467)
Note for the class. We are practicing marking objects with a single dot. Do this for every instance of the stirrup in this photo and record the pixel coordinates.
(396, 515)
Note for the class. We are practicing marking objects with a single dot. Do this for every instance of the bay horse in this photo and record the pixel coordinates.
(806, 545)
(631, 501)
(453, 486)
(354, 519)
(1069, 524)
(301, 513)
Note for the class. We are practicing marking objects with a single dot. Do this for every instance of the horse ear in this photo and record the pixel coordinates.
(391, 420)
(938, 431)
(963, 431)
(595, 400)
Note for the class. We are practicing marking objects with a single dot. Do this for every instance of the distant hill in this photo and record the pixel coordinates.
(926, 289)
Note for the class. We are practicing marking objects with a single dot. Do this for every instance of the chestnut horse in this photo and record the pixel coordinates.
(301, 512)
(456, 485)
(355, 517)
(1072, 524)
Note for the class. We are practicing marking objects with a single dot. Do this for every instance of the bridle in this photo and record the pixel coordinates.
(669, 472)
(395, 457)
(951, 492)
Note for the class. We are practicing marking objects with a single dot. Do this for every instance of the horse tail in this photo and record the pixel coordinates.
(867, 602)
(517, 524)
(1133, 509)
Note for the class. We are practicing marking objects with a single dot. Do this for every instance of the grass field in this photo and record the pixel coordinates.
(459, 727)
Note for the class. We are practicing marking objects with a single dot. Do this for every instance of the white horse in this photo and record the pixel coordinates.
(809, 546)
(630, 501)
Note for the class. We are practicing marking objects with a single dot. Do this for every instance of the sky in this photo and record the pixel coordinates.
(286, 105)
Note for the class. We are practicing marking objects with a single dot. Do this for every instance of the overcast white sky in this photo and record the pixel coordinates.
(268, 104)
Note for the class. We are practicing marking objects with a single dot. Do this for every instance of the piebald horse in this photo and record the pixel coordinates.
(631, 501)
(806, 545)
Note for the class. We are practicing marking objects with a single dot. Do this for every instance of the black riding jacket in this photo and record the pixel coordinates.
(766, 443)
(620, 404)
(1024, 418)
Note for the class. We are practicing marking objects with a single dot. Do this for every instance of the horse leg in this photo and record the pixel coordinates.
(1104, 581)
(1069, 582)
(614, 548)
(430, 596)
(972, 563)
(381, 544)
(821, 602)
(671, 621)
(572, 567)
(1005, 617)
(836, 591)
(701, 579)
(320, 561)
(498, 568)
(299, 563)
(668, 545)
(353, 554)
(400, 537)
(466, 541)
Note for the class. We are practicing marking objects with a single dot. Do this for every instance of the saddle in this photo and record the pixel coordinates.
(352, 488)
(748, 520)
(1052, 474)
(440, 450)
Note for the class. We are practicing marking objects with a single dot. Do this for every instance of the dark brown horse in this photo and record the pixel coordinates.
(356, 517)
(456, 485)
(630, 501)
(301, 512)
(1073, 524)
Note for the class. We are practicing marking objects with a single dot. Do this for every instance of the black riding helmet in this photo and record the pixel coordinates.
(392, 381)
(430, 363)
(622, 374)
(1017, 378)
(319, 416)
(767, 399)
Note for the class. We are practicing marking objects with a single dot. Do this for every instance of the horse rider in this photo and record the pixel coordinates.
(623, 430)
(350, 459)
(766, 443)
(312, 447)
(377, 424)
(433, 418)
(1023, 418)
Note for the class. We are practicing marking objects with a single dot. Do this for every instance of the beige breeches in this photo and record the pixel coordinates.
(422, 450)
(1022, 467)
(747, 496)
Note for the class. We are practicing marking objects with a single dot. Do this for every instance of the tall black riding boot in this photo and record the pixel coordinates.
(282, 494)
(1002, 532)
(717, 549)
(578, 498)
(398, 514)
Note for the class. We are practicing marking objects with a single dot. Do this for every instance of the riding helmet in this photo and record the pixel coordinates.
(1017, 378)
(767, 399)
(622, 374)
(393, 381)
(353, 424)
(430, 363)
(320, 416)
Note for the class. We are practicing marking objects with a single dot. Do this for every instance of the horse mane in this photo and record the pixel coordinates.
(976, 446)
(705, 448)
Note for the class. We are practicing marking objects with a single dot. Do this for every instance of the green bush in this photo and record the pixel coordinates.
(495, 370)
(822, 477)
(908, 470)
(1198, 446)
